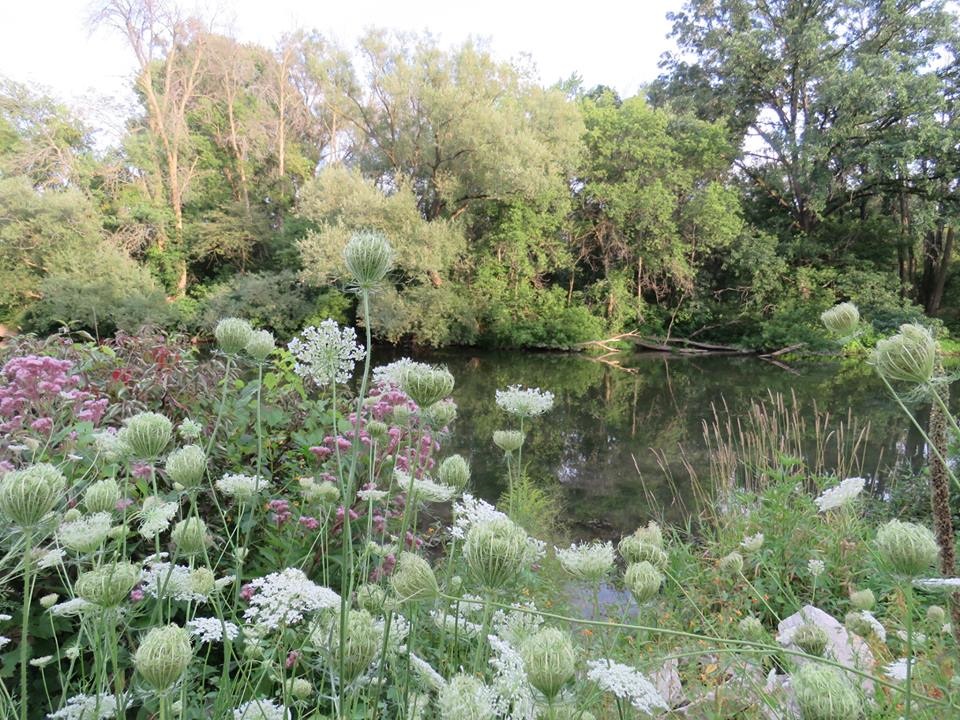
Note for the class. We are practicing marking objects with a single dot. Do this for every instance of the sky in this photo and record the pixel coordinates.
(613, 42)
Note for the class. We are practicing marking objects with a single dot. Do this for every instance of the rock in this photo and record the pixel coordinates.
(667, 682)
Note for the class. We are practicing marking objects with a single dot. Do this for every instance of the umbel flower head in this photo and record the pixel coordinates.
(508, 440)
(413, 579)
(86, 533)
(549, 660)
(811, 639)
(842, 320)
(588, 562)
(147, 434)
(363, 640)
(187, 466)
(102, 496)
(643, 580)
(908, 549)
(909, 356)
(190, 536)
(751, 628)
(326, 354)
(731, 563)
(368, 257)
(260, 344)
(645, 543)
(232, 335)
(27, 495)
(524, 402)
(109, 585)
(495, 550)
(163, 656)
(441, 414)
(464, 697)
(824, 694)
(863, 599)
(426, 384)
(455, 472)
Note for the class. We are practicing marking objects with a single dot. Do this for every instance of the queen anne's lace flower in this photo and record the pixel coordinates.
(155, 516)
(86, 533)
(87, 707)
(816, 567)
(70, 607)
(242, 486)
(455, 624)
(4, 641)
(211, 629)
(326, 354)
(424, 489)
(261, 709)
(424, 670)
(514, 694)
(840, 495)
(524, 402)
(393, 373)
(626, 683)
(878, 629)
(161, 579)
(897, 670)
(590, 562)
(470, 511)
(283, 598)
(752, 543)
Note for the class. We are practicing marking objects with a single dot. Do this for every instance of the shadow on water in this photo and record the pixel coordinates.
(617, 442)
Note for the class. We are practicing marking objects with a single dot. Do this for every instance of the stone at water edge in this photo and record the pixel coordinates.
(843, 646)
(668, 684)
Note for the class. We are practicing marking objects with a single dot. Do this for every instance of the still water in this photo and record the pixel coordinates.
(620, 443)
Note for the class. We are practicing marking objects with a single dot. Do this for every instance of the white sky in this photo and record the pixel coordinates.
(614, 42)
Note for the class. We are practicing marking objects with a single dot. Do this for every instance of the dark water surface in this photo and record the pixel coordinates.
(600, 443)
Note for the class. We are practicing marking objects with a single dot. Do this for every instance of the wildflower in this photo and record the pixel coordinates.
(242, 487)
(85, 534)
(863, 622)
(863, 599)
(178, 582)
(368, 257)
(524, 402)
(392, 373)
(261, 709)
(907, 548)
(424, 489)
(110, 445)
(508, 440)
(326, 354)
(4, 641)
(155, 516)
(190, 429)
(589, 562)
(752, 543)
(187, 466)
(469, 511)
(87, 707)
(300, 688)
(108, 585)
(147, 434)
(732, 563)
(549, 659)
(372, 495)
(936, 615)
(232, 335)
(455, 472)
(842, 319)
(811, 639)
(495, 550)
(897, 670)
(27, 495)
(282, 598)
(163, 655)
(466, 698)
(190, 536)
(42, 661)
(626, 683)
(413, 579)
(643, 544)
(514, 694)
(643, 580)
(426, 673)
(909, 356)
(426, 384)
(363, 641)
(70, 608)
(211, 629)
(751, 628)
(441, 414)
(824, 694)
(816, 567)
(101, 496)
(840, 495)
(260, 345)
(46, 602)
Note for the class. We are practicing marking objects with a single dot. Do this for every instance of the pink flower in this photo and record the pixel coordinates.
(310, 523)
(321, 453)
(123, 504)
(136, 595)
(247, 591)
(142, 470)
(43, 424)
(291, 660)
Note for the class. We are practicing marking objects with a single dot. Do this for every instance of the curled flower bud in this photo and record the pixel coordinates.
(649, 535)
(377, 429)
(372, 598)
(455, 472)
(508, 440)
(368, 258)
(811, 639)
(363, 641)
(908, 549)
(400, 415)
(863, 599)
(202, 581)
(909, 356)
(232, 335)
(936, 615)
(300, 688)
(163, 656)
(48, 601)
(147, 434)
(190, 536)
(441, 413)
(643, 580)
(634, 549)
(824, 694)
(426, 385)
(464, 697)
(187, 466)
(842, 319)
(751, 628)
(27, 495)
(260, 345)
(495, 550)
(108, 585)
(102, 496)
(732, 563)
(413, 579)
(549, 660)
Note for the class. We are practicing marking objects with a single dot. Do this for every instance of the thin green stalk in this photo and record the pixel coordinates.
(223, 404)
(25, 622)
(908, 595)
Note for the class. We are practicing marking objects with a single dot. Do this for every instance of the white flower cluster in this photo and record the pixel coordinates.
(514, 696)
(87, 707)
(518, 624)
(161, 579)
(85, 534)
(424, 670)
(155, 516)
(282, 599)
(752, 543)
(455, 624)
(840, 495)
(626, 683)
(897, 670)
(242, 486)
(326, 354)
(51, 558)
(261, 709)
(524, 402)
(4, 641)
(372, 495)
(816, 567)
(392, 374)
(878, 629)
(69, 608)
(590, 562)
(470, 511)
(424, 489)
(211, 629)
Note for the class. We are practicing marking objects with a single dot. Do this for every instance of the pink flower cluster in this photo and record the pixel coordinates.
(34, 389)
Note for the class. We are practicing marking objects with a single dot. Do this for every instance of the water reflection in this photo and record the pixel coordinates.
(621, 444)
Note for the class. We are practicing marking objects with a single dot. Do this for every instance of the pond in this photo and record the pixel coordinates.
(623, 445)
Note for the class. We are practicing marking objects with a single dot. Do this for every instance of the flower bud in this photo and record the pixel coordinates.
(936, 615)
(842, 319)
(371, 598)
(147, 434)
(300, 688)
(109, 585)
(495, 551)
(634, 550)
(643, 580)
(163, 656)
(72, 515)
(400, 415)
(549, 659)
(863, 599)
(464, 697)
(811, 639)
(232, 335)
(368, 258)
(824, 694)
(190, 536)
(732, 564)
(751, 628)
(202, 581)
(363, 640)
(908, 549)
(426, 385)
(102, 496)
(260, 345)
(455, 472)
(508, 440)
(441, 413)
(909, 356)
(27, 495)
(187, 466)
(857, 623)
(48, 601)
(413, 579)
(377, 429)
